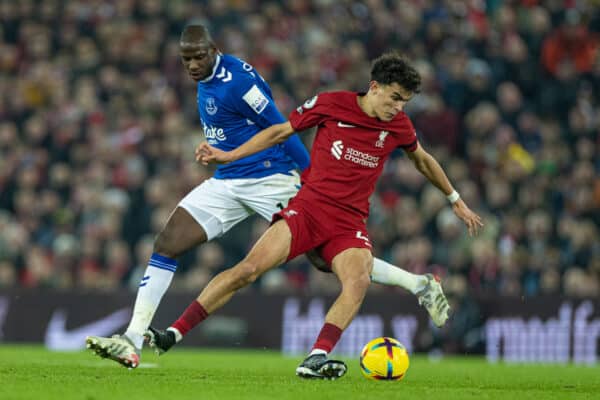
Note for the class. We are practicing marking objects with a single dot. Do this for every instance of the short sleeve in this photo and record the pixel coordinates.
(311, 113)
(407, 136)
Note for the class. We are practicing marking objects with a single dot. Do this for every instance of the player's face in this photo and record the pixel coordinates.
(389, 100)
(198, 58)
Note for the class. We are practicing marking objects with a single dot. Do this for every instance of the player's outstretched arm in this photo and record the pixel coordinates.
(266, 138)
(432, 170)
(296, 150)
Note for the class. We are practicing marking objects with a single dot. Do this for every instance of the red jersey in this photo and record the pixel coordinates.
(349, 150)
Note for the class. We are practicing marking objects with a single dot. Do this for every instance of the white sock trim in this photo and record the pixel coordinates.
(317, 351)
(178, 335)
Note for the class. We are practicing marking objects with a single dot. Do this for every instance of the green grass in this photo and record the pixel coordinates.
(34, 373)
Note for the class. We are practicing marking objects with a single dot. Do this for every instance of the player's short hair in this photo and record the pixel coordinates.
(392, 67)
(194, 32)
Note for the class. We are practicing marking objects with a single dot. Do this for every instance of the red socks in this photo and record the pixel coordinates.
(195, 313)
(191, 317)
(328, 337)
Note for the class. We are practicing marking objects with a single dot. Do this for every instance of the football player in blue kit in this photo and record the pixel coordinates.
(234, 103)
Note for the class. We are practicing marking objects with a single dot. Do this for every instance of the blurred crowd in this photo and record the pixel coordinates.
(98, 123)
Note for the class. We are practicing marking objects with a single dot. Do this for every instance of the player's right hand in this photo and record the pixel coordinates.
(206, 154)
(471, 219)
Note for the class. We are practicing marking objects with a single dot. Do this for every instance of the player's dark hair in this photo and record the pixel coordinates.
(195, 32)
(391, 68)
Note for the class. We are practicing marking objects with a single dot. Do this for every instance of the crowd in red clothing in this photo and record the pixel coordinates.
(97, 119)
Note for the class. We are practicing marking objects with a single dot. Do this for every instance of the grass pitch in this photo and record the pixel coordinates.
(35, 373)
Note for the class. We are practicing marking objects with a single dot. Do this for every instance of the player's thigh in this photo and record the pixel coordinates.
(214, 207)
(353, 237)
(270, 194)
(180, 233)
(272, 249)
(352, 264)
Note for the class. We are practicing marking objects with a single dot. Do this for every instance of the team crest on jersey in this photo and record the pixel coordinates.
(381, 141)
(211, 106)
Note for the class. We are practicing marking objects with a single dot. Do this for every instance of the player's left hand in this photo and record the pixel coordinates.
(205, 154)
(472, 220)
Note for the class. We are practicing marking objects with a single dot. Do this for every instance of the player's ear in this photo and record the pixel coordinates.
(373, 86)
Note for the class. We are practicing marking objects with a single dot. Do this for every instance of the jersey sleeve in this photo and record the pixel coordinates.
(311, 113)
(407, 136)
(296, 150)
(254, 102)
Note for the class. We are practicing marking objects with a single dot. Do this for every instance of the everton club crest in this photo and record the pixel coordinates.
(211, 106)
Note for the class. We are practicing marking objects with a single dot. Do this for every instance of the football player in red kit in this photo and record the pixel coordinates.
(356, 134)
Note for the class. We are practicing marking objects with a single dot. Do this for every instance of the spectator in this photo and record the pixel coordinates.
(97, 119)
(571, 46)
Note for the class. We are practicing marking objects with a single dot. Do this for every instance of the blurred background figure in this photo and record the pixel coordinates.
(98, 124)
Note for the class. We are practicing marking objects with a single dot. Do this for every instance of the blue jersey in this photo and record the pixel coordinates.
(235, 103)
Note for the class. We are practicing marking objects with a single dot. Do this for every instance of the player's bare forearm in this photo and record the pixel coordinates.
(431, 169)
(436, 175)
(264, 139)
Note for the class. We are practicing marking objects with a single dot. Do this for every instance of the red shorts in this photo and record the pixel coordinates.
(328, 229)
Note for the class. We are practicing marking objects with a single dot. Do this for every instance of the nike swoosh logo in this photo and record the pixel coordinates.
(59, 338)
(343, 125)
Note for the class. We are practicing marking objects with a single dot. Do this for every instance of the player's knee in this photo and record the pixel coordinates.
(362, 282)
(163, 245)
(247, 272)
(358, 283)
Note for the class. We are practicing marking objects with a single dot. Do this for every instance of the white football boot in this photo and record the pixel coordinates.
(117, 348)
(433, 299)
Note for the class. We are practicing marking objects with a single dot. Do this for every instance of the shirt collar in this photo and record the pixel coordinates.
(214, 71)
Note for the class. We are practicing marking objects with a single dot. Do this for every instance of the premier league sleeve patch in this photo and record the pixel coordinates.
(256, 99)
